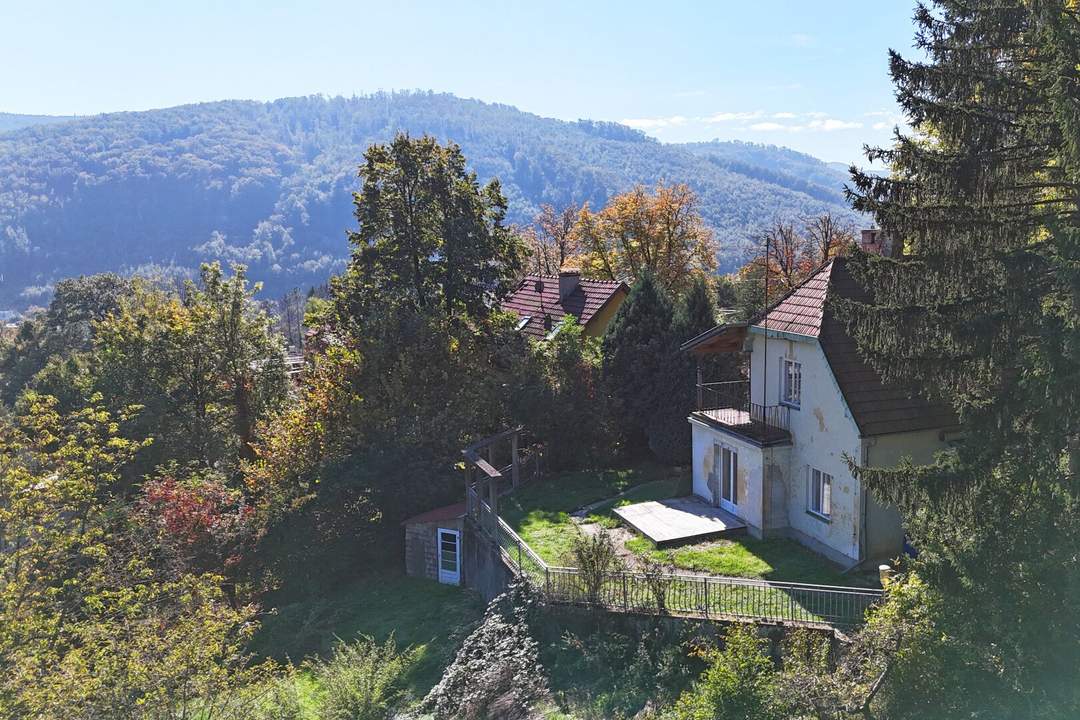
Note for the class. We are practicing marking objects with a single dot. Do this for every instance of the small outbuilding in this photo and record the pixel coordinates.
(433, 544)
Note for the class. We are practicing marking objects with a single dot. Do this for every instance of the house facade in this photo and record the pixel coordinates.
(773, 450)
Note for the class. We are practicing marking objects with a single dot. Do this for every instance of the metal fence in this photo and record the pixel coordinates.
(703, 596)
(729, 403)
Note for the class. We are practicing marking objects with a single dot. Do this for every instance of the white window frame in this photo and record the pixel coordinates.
(790, 394)
(448, 577)
(819, 493)
(726, 472)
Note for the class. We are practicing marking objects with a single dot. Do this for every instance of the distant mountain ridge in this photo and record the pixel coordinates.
(270, 184)
(14, 121)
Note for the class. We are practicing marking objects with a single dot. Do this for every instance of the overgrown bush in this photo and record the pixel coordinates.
(560, 397)
(496, 674)
(616, 666)
(361, 680)
(276, 699)
(595, 558)
(739, 683)
(657, 579)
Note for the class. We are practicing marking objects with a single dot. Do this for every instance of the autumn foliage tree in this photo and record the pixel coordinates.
(790, 252)
(638, 232)
(554, 239)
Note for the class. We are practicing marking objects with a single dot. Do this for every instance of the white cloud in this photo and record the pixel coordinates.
(723, 117)
(784, 116)
(655, 123)
(882, 125)
(831, 124)
(770, 126)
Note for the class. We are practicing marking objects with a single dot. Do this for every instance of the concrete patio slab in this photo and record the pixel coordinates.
(681, 520)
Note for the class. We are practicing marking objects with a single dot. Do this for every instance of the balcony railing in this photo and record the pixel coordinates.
(728, 404)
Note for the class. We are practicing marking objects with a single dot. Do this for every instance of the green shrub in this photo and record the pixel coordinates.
(362, 680)
(614, 667)
(739, 683)
(595, 558)
(277, 699)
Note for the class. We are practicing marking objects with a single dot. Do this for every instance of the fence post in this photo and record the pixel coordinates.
(700, 389)
(515, 471)
(521, 568)
(625, 597)
(706, 581)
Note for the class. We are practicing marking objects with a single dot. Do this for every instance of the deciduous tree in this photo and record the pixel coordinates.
(638, 232)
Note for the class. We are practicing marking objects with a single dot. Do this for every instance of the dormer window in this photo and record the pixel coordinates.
(790, 382)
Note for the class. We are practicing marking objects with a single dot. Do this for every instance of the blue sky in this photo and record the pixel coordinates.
(808, 75)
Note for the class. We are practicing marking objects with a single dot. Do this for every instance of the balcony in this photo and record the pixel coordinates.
(727, 405)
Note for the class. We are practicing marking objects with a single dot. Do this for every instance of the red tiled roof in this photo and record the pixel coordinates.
(801, 310)
(447, 512)
(878, 409)
(583, 303)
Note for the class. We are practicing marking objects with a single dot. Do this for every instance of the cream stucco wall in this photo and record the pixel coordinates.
(598, 323)
(884, 531)
(822, 432)
(823, 436)
(755, 500)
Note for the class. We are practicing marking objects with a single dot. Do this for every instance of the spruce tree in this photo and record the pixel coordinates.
(637, 346)
(668, 431)
(981, 311)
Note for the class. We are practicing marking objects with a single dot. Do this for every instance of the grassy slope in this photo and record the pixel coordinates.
(772, 559)
(422, 613)
(540, 512)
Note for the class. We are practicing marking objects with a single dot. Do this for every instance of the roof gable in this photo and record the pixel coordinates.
(538, 296)
(802, 310)
(877, 409)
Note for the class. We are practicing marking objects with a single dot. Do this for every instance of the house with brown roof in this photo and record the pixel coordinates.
(772, 449)
(542, 301)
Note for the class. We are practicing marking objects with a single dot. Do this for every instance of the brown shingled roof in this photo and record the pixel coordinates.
(802, 309)
(583, 303)
(447, 512)
(878, 409)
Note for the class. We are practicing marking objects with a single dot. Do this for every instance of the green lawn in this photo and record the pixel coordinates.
(421, 613)
(540, 512)
(773, 559)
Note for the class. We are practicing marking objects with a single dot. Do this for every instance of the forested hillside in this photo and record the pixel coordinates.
(269, 184)
(14, 121)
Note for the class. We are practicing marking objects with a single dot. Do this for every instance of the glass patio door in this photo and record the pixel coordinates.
(724, 482)
(729, 470)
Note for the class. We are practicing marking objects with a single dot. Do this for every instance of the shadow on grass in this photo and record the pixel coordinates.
(422, 613)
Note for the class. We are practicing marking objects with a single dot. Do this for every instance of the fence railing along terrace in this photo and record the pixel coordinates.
(701, 596)
(728, 402)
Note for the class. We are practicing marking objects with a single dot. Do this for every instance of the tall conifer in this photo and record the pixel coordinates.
(981, 310)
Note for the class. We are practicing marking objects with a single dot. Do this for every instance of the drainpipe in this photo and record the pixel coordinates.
(864, 503)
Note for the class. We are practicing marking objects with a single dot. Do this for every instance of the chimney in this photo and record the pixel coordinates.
(879, 242)
(568, 282)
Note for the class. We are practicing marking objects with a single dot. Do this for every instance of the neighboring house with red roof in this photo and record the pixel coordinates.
(771, 449)
(542, 301)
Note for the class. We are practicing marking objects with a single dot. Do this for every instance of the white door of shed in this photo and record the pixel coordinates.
(449, 556)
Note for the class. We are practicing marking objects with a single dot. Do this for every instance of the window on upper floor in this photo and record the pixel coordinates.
(819, 493)
(790, 382)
